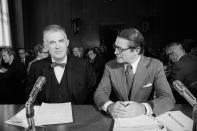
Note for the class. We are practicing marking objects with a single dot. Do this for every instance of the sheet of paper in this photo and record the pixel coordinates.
(139, 123)
(45, 114)
(176, 121)
(54, 114)
(20, 118)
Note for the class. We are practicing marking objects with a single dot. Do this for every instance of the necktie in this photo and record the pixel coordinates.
(54, 64)
(129, 77)
(23, 61)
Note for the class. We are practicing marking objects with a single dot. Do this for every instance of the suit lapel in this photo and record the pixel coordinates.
(47, 70)
(68, 72)
(139, 77)
(48, 73)
(64, 78)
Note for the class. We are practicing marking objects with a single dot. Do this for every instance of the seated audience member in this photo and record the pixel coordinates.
(97, 61)
(1, 59)
(103, 50)
(68, 78)
(194, 51)
(129, 81)
(40, 52)
(183, 69)
(3, 65)
(24, 57)
(13, 77)
(78, 52)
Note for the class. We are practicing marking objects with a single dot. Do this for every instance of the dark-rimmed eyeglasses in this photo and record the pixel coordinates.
(120, 50)
(45, 52)
(170, 53)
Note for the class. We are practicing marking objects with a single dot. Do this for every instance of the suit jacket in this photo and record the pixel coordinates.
(13, 79)
(77, 81)
(185, 70)
(149, 77)
(98, 66)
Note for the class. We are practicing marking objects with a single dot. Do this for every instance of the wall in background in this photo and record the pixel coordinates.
(160, 21)
(91, 13)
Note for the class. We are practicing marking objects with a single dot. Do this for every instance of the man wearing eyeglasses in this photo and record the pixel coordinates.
(143, 89)
(184, 68)
(40, 52)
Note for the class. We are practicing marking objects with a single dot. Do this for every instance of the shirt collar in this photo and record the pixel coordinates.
(38, 58)
(11, 62)
(179, 57)
(134, 65)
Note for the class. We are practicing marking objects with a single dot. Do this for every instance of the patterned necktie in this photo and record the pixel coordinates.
(54, 64)
(129, 77)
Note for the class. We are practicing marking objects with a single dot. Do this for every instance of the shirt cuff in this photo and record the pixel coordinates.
(149, 110)
(105, 106)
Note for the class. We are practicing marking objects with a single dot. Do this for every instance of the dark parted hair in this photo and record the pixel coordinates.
(9, 50)
(134, 36)
(38, 48)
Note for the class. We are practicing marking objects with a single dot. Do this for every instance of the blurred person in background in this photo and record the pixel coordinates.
(183, 68)
(40, 53)
(24, 57)
(97, 61)
(13, 78)
(77, 52)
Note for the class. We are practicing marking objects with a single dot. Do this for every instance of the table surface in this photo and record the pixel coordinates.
(85, 117)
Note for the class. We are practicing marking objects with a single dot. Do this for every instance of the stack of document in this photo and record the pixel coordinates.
(139, 123)
(46, 114)
(176, 121)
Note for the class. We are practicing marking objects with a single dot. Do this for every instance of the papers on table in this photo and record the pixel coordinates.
(20, 118)
(170, 121)
(45, 114)
(176, 121)
(139, 123)
(54, 114)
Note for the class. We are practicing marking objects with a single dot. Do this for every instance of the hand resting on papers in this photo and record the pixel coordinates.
(125, 109)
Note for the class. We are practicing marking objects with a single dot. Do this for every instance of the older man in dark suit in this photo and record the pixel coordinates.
(68, 79)
(184, 68)
(133, 84)
(12, 77)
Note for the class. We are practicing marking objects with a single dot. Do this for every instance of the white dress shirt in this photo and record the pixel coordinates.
(58, 70)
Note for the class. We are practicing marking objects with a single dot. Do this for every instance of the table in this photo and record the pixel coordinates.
(85, 117)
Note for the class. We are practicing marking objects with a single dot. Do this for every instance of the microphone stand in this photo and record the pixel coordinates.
(194, 117)
(30, 111)
(30, 116)
(29, 104)
(180, 87)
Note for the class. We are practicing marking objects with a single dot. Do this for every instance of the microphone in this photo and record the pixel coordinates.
(182, 90)
(180, 87)
(36, 88)
(29, 108)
